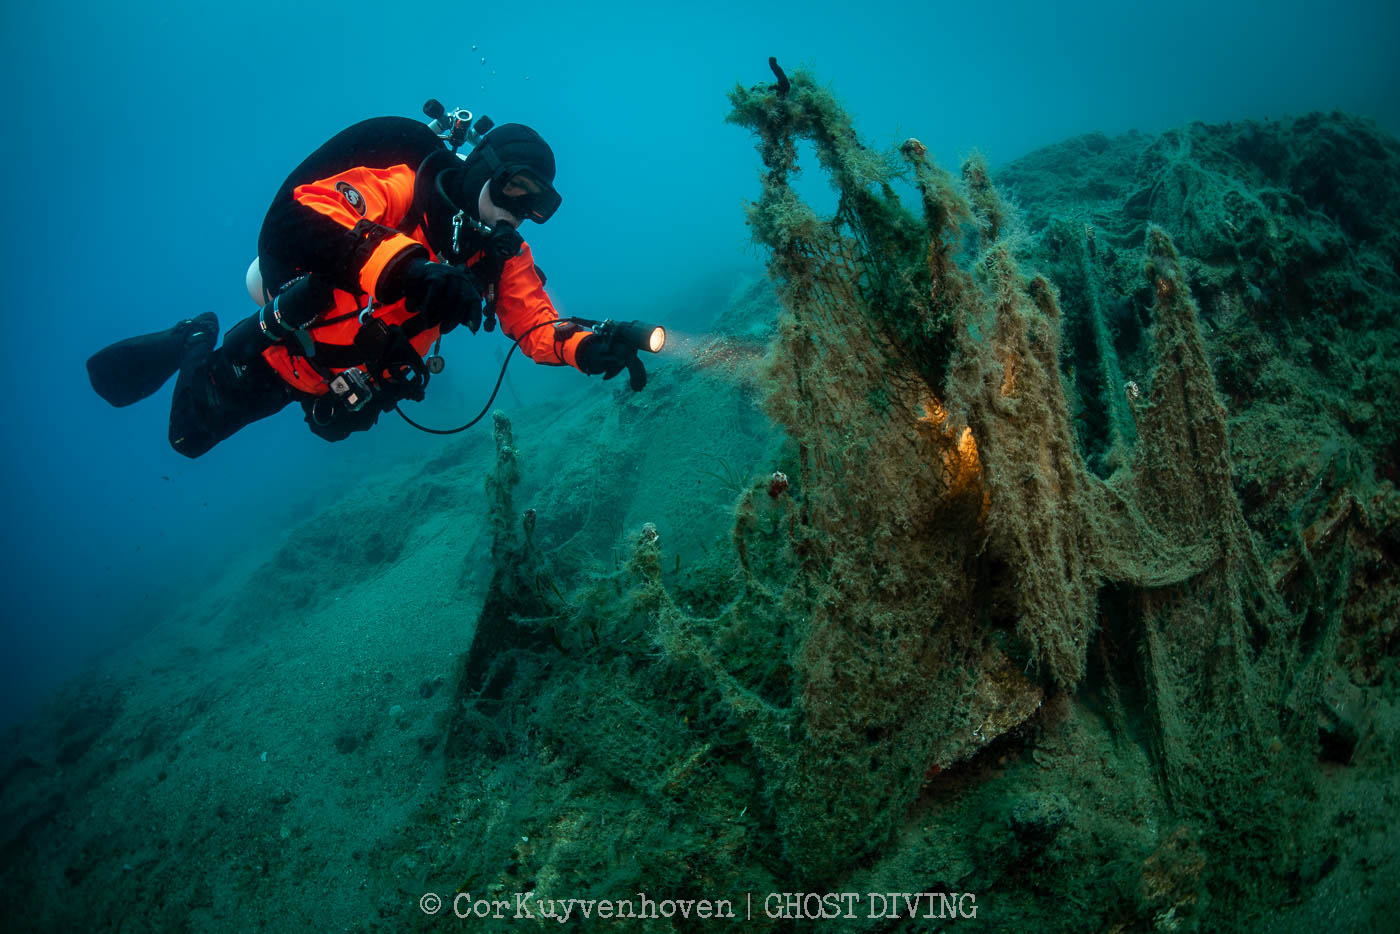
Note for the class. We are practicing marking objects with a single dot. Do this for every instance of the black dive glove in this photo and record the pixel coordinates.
(392, 360)
(445, 294)
(597, 354)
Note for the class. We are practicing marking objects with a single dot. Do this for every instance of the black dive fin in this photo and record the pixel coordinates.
(130, 370)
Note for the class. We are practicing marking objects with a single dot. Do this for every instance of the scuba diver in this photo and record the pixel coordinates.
(380, 242)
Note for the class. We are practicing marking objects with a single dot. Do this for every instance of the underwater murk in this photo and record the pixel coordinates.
(1022, 554)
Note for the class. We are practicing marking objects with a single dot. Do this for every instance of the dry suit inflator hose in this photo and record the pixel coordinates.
(636, 334)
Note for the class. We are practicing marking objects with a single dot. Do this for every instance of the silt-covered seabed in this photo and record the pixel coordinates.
(1034, 537)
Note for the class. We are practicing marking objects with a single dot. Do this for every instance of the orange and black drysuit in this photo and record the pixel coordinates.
(344, 226)
(363, 244)
(358, 227)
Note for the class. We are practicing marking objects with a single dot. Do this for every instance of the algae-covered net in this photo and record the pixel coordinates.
(956, 546)
(957, 540)
(945, 583)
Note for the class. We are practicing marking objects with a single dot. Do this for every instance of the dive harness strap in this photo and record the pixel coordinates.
(362, 365)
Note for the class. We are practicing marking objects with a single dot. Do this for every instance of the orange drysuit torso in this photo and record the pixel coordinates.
(372, 205)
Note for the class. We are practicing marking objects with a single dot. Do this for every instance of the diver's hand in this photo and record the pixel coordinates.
(598, 355)
(392, 360)
(444, 293)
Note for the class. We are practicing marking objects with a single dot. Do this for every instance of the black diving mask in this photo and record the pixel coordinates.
(523, 192)
(520, 189)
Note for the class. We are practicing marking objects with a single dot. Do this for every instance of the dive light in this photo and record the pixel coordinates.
(638, 334)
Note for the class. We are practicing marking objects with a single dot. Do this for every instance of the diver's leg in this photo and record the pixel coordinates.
(216, 396)
(130, 370)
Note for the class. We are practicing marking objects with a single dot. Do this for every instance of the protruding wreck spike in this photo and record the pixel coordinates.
(782, 85)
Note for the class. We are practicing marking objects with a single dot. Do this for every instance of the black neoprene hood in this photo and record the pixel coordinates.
(513, 144)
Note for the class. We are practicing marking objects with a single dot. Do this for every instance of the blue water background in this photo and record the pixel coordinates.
(143, 141)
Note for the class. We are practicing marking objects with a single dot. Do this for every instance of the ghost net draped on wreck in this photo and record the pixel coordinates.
(953, 544)
(936, 566)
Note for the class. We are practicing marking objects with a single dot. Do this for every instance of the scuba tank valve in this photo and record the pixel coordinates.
(456, 126)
